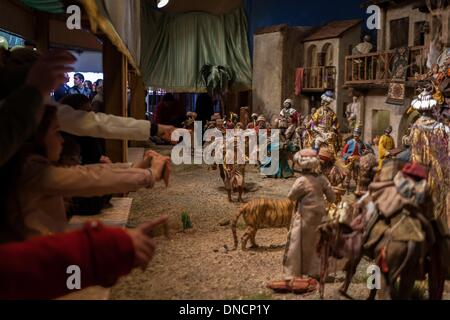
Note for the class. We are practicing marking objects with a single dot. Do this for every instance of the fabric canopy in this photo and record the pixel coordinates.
(175, 47)
(52, 6)
(120, 21)
(125, 15)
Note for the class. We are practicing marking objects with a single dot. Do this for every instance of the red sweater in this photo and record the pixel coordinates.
(37, 269)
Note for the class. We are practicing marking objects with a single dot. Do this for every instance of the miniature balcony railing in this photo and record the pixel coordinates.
(319, 78)
(376, 68)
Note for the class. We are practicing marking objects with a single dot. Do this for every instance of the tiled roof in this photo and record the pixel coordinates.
(333, 29)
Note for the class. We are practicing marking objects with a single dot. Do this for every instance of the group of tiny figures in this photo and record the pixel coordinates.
(318, 130)
(398, 217)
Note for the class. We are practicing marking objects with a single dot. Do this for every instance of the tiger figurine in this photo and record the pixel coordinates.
(262, 213)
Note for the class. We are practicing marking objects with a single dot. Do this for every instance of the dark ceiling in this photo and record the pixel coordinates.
(211, 6)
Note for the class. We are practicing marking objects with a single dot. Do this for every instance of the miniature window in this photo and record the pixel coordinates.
(399, 32)
(312, 56)
(328, 51)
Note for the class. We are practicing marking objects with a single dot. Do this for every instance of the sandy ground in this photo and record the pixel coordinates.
(197, 264)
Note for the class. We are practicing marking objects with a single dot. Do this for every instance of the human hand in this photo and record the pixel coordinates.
(144, 246)
(160, 168)
(165, 133)
(145, 163)
(48, 71)
(105, 159)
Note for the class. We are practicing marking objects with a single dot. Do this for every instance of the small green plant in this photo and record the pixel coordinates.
(186, 220)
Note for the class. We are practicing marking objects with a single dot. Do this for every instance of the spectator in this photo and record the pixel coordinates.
(170, 112)
(79, 87)
(97, 83)
(81, 123)
(36, 269)
(89, 85)
(22, 92)
(33, 191)
(98, 102)
(83, 151)
(63, 90)
(42, 261)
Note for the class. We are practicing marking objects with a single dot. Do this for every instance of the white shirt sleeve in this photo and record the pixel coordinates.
(100, 125)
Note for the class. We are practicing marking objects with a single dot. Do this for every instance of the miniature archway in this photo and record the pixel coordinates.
(312, 56)
(327, 51)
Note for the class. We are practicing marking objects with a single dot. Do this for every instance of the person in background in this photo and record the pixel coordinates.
(90, 88)
(98, 102)
(104, 253)
(79, 87)
(96, 84)
(14, 91)
(170, 111)
(87, 150)
(22, 93)
(63, 90)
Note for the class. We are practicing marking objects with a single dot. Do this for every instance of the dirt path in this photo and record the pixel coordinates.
(196, 264)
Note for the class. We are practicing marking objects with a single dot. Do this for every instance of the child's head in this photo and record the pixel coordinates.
(47, 141)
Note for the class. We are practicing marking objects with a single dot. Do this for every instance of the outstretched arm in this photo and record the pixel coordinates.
(106, 126)
(37, 269)
(84, 181)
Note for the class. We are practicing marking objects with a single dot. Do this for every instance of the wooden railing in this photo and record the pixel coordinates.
(319, 78)
(377, 68)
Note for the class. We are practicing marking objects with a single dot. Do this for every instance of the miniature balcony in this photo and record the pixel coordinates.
(376, 68)
(319, 78)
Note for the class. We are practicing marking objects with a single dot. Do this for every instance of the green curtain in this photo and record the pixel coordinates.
(175, 47)
(52, 6)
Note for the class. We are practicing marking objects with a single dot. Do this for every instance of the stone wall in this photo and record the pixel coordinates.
(275, 57)
(267, 73)
(414, 15)
(293, 58)
(341, 48)
(350, 39)
(375, 100)
(405, 11)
